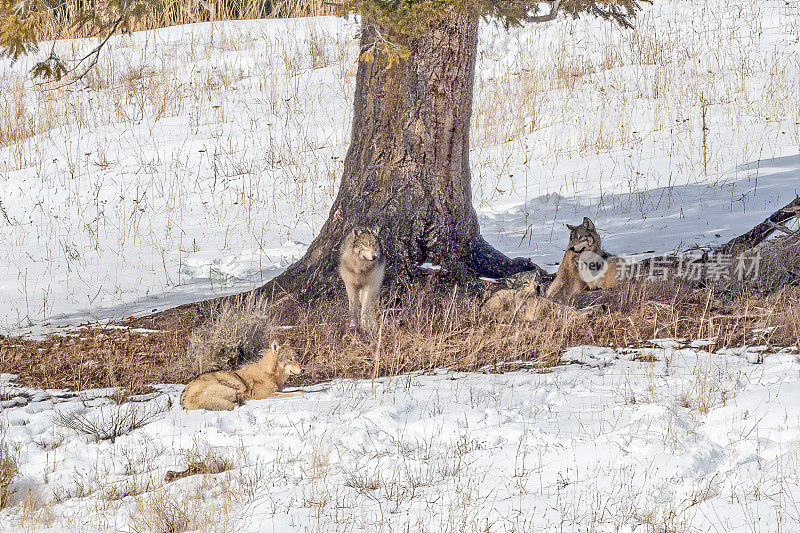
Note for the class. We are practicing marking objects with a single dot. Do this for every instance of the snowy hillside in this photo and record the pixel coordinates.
(664, 439)
(202, 159)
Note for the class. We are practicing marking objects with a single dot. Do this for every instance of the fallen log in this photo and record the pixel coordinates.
(775, 222)
(760, 233)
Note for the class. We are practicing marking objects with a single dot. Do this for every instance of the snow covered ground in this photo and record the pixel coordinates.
(202, 159)
(668, 438)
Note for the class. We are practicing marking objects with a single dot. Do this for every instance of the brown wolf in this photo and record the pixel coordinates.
(585, 265)
(362, 267)
(223, 390)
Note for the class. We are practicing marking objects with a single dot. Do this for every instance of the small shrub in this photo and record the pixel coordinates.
(235, 334)
(162, 513)
(108, 424)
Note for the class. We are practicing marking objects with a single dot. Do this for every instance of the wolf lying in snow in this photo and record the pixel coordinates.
(362, 266)
(585, 265)
(223, 390)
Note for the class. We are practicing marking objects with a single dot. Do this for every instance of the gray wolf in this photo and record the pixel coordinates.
(585, 265)
(362, 267)
(223, 390)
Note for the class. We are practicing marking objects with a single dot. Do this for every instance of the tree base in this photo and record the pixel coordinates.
(305, 284)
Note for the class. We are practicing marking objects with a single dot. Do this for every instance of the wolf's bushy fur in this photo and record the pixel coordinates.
(222, 390)
(568, 281)
(362, 267)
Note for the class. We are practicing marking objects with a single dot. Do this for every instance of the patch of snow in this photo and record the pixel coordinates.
(692, 441)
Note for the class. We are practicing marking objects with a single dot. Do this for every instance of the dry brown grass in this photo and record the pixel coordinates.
(9, 468)
(96, 357)
(426, 335)
(201, 460)
(428, 328)
(431, 329)
(175, 12)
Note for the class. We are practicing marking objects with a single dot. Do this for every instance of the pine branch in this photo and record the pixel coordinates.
(23, 22)
(544, 18)
(620, 11)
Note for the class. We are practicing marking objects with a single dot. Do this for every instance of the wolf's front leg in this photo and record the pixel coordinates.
(555, 289)
(369, 308)
(354, 303)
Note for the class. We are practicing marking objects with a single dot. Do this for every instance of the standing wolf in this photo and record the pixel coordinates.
(223, 390)
(362, 266)
(585, 265)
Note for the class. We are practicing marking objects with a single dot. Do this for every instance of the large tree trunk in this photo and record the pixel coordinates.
(407, 169)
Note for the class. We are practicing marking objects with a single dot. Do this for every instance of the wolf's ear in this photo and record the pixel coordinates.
(571, 227)
(275, 346)
(376, 229)
(588, 224)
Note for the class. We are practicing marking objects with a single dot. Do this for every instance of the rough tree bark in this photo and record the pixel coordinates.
(407, 168)
(406, 171)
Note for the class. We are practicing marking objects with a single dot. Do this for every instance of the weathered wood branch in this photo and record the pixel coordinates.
(761, 232)
(736, 246)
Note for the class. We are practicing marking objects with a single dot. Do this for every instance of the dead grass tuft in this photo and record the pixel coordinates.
(162, 513)
(34, 513)
(9, 468)
(201, 460)
(234, 334)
